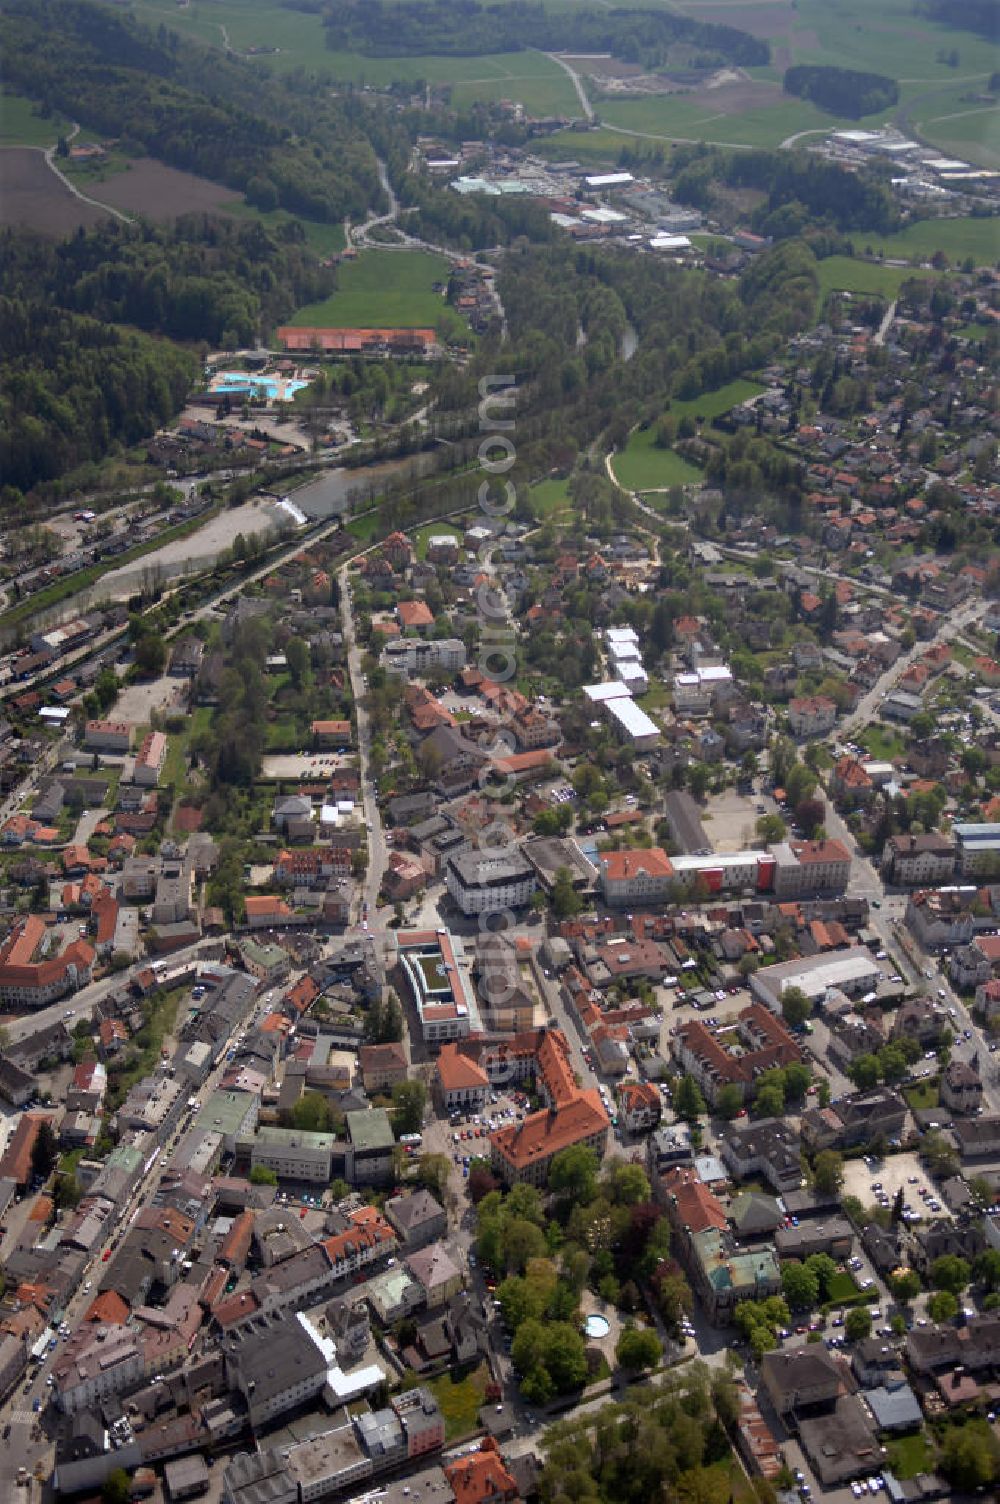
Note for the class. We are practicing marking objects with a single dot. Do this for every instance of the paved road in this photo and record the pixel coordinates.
(577, 82)
(377, 852)
(26, 1445)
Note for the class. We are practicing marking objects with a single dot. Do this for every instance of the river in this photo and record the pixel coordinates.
(342, 490)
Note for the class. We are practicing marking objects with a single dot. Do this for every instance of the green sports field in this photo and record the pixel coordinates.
(843, 274)
(383, 290)
(641, 466)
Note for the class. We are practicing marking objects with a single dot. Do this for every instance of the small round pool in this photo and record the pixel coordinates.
(597, 1326)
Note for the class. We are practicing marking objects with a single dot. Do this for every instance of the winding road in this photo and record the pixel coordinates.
(577, 82)
(49, 152)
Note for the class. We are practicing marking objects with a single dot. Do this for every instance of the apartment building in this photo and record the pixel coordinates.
(766, 1042)
(914, 861)
(412, 657)
(812, 715)
(490, 884)
(108, 736)
(294, 1154)
(96, 1363)
(33, 972)
(149, 760)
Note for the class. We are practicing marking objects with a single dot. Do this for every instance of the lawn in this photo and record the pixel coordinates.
(922, 1096)
(910, 1455)
(22, 125)
(843, 1288)
(845, 274)
(550, 498)
(882, 742)
(366, 527)
(680, 117)
(175, 762)
(323, 239)
(958, 238)
(461, 1399)
(430, 530)
(642, 466)
(383, 290)
(713, 404)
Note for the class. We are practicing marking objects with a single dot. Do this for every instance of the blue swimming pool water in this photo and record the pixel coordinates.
(261, 386)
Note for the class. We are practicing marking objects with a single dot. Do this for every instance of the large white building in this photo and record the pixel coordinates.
(293, 1154)
(490, 884)
(96, 1363)
(411, 657)
(853, 971)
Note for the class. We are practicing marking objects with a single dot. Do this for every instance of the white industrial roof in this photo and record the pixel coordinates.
(633, 720)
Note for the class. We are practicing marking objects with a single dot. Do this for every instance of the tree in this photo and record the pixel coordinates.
(44, 1151)
(729, 1101)
(770, 829)
(797, 1078)
(627, 1185)
(150, 654)
(986, 1268)
(566, 901)
(573, 1174)
(939, 1153)
(795, 1007)
(433, 1171)
(770, 1101)
(297, 658)
(263, 1175)
(687, 1098)
(637, 1349)
(828, 1172)
(481, 1181)
(117, 1487)
(857, 1324)
(942, 1306)
(799, 1286)
(409, 1099)
(949, 1272)
(825, 1270)
(970, 1455)
(311, 1113)
(864, 1072)
(906, 1286)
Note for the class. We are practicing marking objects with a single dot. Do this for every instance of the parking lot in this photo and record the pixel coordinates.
(896, 1171)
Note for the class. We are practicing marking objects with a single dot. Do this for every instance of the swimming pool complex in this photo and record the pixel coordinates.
(273, 388)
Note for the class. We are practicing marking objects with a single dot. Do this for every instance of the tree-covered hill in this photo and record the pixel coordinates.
(466, 28)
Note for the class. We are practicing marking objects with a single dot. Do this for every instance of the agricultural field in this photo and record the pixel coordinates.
(845, 274)
(957, 238)
(22, 125)
(31, 194)
(383, 290)
(642, 466)
(854, 34)
(748, 115)
(150, 188)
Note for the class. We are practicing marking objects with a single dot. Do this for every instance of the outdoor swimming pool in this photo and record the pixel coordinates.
(597, 1326)
(273, 388)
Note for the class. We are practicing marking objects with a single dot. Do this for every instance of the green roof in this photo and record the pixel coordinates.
(294, 1138)
(224, 1112)
(370, 1129)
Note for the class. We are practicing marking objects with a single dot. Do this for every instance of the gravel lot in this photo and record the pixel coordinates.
(894, 1171)
(137, 701)
(731, 820)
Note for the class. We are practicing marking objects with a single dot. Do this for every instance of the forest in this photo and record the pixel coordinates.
(465, 28)
(980, 16)
(74, 385)
(194, 109)
(842, 91)
(802, 191)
